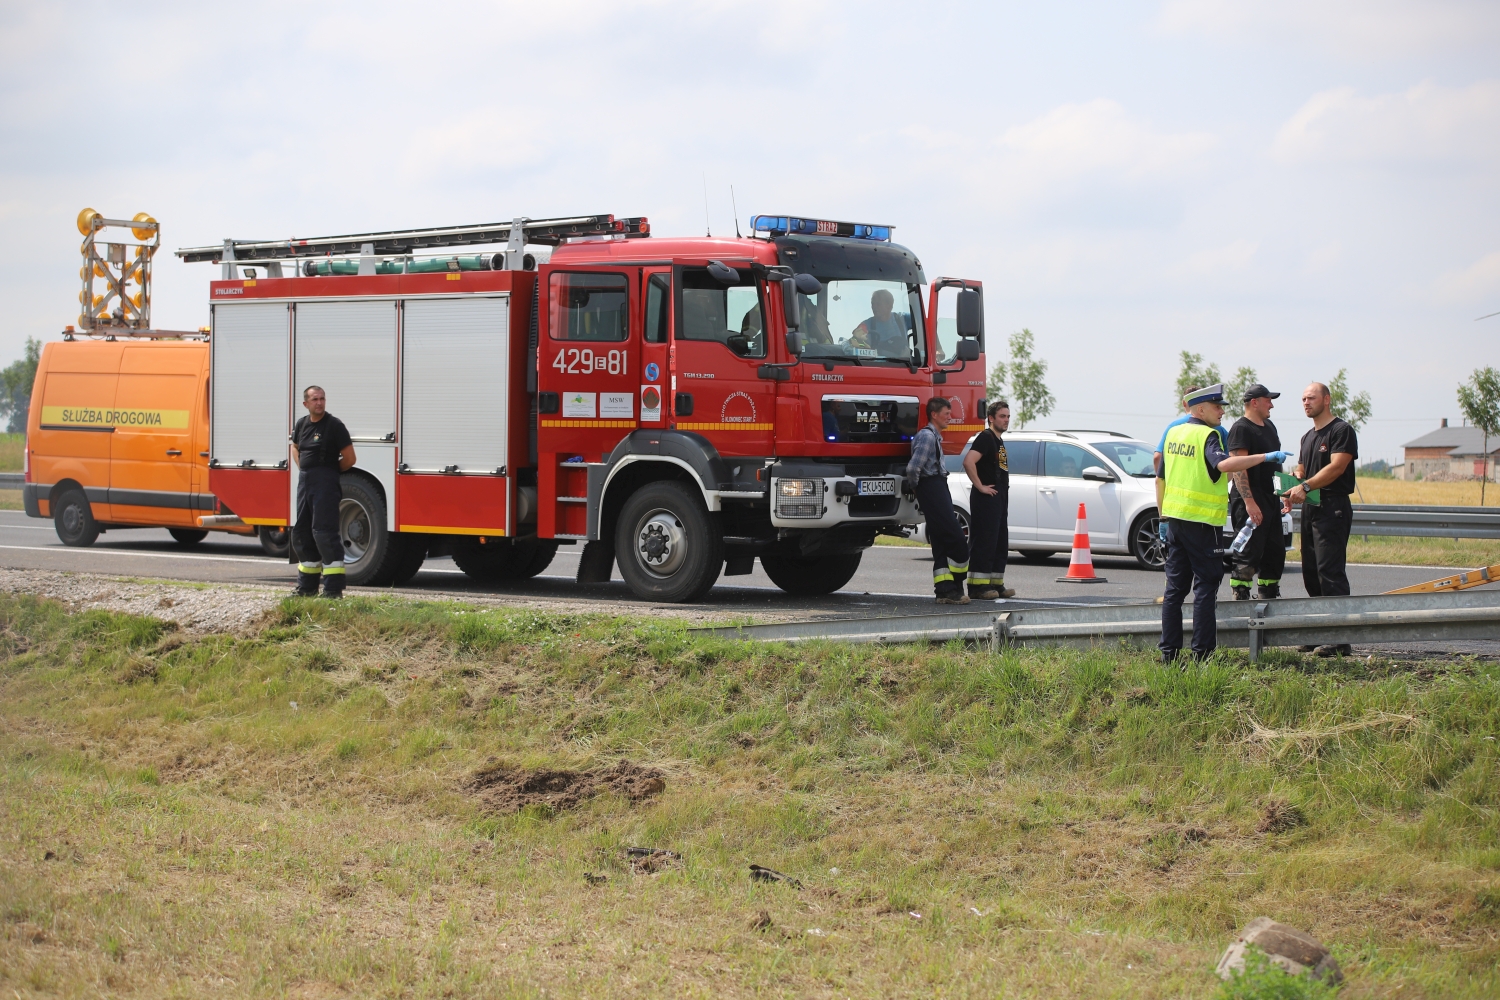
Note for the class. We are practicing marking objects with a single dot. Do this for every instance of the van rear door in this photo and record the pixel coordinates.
(151, 469)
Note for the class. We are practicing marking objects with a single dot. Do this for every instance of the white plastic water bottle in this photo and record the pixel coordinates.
(1243, 538)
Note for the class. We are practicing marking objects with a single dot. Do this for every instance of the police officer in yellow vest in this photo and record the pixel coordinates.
(1195, 505)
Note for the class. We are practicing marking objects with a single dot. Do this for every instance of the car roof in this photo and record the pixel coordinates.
(1085, 437)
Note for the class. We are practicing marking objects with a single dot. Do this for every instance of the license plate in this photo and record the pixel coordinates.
(876, 487)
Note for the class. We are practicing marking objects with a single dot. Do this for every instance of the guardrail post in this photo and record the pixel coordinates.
(1001, 636)
(1257, 630)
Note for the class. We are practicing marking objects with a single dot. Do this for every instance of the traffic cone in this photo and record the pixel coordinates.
(1081, 566)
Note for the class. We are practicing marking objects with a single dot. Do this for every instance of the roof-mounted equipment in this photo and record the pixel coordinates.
(790, 225)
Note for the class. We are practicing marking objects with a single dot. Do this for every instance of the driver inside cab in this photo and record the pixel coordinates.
(885, 332)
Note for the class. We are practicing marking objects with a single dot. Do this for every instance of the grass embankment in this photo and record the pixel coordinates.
(1397, 491)
(12, 452)
(296, 814)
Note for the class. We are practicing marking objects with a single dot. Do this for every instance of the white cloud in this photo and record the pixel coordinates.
(1480, 281)
(1361, 29)
(1225, 259)
(1426, 123)
(1099, 136)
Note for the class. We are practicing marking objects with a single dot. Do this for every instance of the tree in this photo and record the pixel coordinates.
(1480, 401)
(1192, 374)
(1029, 396)
(1355, 410)
(15, 386)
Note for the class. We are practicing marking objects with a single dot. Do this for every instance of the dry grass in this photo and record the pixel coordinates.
(296, 814)
(1396, 491)
(12, 452)
(1456, 553)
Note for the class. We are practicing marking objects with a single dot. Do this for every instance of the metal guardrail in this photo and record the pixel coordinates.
(12, 480)
(1254, 625)
(1415, 521)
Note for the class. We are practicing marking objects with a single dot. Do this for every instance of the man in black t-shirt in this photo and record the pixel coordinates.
(989, 506)
(322, 448)
(1326, 464)
(1252, 497)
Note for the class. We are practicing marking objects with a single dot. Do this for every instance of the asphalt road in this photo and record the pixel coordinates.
(891, 579)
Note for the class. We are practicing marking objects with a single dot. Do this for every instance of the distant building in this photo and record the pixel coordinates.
(1452, 452)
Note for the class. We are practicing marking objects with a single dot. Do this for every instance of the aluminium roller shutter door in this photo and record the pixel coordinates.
(349, 348)
(455, 385)
(251, 347)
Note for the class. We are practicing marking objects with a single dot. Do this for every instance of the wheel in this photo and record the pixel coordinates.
(668, 546)
(413, 554)
(963, 523)
(809, 576)
(501, 560)
(74, 519)
(372, 553)
(1145, 544)
(187, 536)
(1036, 555)
(274, 541)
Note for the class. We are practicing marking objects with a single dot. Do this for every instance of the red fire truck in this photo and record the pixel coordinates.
(680, 406)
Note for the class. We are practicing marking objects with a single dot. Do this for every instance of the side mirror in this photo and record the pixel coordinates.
(969, 318)
(794, 344)
(790, 308)
(723, 273)
(968, 350)
(808, 285)
(1097, 474)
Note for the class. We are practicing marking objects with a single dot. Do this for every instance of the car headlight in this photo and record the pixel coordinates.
(799, 498)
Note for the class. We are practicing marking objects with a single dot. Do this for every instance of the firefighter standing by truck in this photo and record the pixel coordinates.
(988, 470)
(1252, 497)
(950, 553)
(1194, 506)
(321, 448)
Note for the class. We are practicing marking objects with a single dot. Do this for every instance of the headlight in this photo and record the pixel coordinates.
(799, 498)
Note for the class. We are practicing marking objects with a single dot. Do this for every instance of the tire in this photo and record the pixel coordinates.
(810, 576)
(74, 519)
(504, 560)
(667, 545)
(964, 524)
(274, 541)
(1145, 545)
(187, 536)
(1036, 555)
(413, 554)
(372, 554)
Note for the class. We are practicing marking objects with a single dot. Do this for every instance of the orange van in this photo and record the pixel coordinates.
(117, 437)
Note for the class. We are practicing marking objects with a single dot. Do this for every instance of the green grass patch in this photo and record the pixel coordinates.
(299, 813)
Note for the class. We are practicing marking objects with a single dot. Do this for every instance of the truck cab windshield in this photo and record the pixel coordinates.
(863, 321)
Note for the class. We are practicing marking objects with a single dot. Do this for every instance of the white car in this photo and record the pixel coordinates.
(1052, 472)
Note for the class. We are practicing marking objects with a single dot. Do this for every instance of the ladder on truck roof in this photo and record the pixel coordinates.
(544, 232)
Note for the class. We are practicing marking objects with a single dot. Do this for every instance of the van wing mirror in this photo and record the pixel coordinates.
(968, 350)
(790, 308)
(969, 317)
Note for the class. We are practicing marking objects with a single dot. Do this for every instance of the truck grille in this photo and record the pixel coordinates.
(870, 419)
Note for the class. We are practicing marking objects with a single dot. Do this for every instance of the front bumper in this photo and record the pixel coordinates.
(834, 500)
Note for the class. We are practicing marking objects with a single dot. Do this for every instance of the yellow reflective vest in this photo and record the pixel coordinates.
(1190, 494)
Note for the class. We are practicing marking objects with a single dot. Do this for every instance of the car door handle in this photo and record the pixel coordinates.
(1046, 491)
(174, 451)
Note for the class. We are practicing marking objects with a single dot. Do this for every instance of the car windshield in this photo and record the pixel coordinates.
(1131, 456)
(863, 321)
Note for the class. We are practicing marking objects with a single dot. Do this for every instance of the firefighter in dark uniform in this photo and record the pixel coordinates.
(1252, 497)
(322, 448)
(1195, 503)
(989, 506)
(928, 477)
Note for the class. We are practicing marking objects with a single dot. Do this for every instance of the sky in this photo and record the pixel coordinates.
(1295, 185)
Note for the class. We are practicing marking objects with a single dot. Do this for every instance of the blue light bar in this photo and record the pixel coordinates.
(784, 225)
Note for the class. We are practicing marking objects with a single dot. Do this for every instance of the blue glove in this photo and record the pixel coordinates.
(1278, 456)
(1161, 531)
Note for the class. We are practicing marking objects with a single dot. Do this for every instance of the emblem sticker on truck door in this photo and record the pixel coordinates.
(578, 404)
(650, 403)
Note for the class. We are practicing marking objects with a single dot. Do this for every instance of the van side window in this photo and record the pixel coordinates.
(657, 290)
(590, 307)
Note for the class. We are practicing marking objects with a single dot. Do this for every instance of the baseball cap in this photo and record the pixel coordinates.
(1258, 391)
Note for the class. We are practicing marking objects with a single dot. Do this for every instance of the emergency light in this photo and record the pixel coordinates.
(783, 225)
